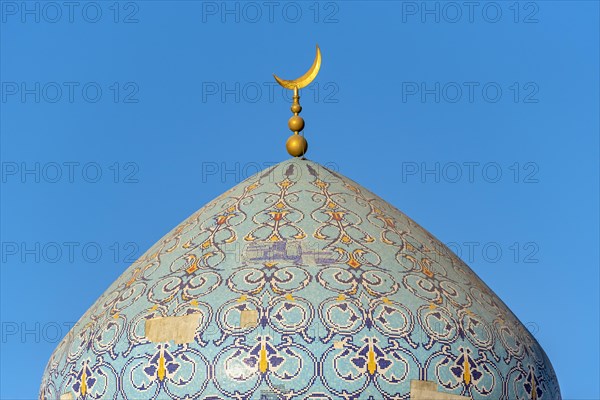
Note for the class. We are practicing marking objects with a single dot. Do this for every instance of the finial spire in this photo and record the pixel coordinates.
(296, 144)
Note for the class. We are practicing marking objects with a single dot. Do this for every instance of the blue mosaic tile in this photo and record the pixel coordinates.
(301, 285)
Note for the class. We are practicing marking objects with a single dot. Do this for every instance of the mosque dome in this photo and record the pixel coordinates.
(298, 283)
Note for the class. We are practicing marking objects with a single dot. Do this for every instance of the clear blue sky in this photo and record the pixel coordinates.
(121, 119)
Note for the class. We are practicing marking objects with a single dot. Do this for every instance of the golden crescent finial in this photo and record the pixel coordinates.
(305, 79)
(296, 144)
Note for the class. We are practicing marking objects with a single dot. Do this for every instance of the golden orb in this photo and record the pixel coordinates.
(296, 108)
(296, 145)
(296, 123)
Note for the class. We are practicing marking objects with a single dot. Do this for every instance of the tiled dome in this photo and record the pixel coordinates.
(299, 283)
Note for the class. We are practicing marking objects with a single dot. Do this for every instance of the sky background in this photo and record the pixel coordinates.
(120, 119)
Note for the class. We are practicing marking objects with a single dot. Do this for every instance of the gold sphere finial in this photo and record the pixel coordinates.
(296, 144)
(296, 123)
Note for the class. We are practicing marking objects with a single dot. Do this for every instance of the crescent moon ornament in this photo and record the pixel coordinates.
(296, 144)
(305, 79)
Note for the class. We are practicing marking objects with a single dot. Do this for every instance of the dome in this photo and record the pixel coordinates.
(298, 283)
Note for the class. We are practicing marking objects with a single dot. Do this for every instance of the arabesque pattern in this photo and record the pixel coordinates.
(347, 298)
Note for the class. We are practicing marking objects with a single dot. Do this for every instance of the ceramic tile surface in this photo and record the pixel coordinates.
(298, 283)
